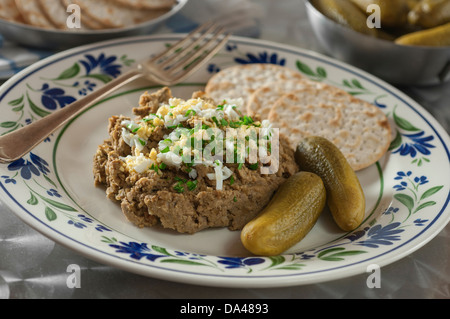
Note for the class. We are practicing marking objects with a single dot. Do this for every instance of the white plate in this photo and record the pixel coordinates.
(52, 189)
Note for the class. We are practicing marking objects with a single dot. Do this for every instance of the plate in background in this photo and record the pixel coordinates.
(40, 38)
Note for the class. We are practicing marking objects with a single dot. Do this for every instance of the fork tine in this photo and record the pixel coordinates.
(178, 75)
(185, 51)
(179, 44)
(194, 65)
(205, 51)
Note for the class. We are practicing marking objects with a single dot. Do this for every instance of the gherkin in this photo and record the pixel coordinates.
(345, 197)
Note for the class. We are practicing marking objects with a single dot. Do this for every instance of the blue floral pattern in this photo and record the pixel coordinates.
(105, 65)
(136, 251)
(263, 57)
(236, 262)
(34, 166)
(411, 141)
(54, 97)
(418, 144)
(53, 93)
(381, 235)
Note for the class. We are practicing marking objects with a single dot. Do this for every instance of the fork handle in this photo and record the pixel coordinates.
(18, 143)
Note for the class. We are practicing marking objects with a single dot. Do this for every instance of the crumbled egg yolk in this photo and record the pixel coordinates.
(139, 163)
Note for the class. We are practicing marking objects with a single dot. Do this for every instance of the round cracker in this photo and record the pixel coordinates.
(359, 129)
(9, 11)
(54, 11)
(32, 14)
(241, 81)
(146, 4)
(113, 15)
(262, 100)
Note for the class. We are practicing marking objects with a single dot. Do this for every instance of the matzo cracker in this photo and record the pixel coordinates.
(262, 100)
(242, 80)
(359, 129)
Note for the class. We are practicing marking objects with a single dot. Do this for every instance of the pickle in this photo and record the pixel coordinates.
(393, 13)
(430, 13)
(438, 36)
(346, 13)
(345, 197)
(288, 217)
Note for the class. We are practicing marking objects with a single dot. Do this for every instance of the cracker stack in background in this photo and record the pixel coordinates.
(96, 14)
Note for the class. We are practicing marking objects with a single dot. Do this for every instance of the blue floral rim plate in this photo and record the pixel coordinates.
(52, 189)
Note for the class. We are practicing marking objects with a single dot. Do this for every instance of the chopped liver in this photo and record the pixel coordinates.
(170, 195)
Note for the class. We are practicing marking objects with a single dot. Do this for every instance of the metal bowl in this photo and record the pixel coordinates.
(397, 64)
(40, 38)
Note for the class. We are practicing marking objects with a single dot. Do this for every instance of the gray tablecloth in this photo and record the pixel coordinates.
(32, 266)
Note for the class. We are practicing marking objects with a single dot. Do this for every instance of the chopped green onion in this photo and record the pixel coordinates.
(192, 185)
(246, 120)
(179, 188)
(154, 167)
(189, 113)
(167, 149)
(235, 124)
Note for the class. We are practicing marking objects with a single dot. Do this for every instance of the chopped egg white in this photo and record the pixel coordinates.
(182, 144)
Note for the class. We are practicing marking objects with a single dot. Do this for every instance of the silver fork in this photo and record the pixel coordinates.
(168, 68)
